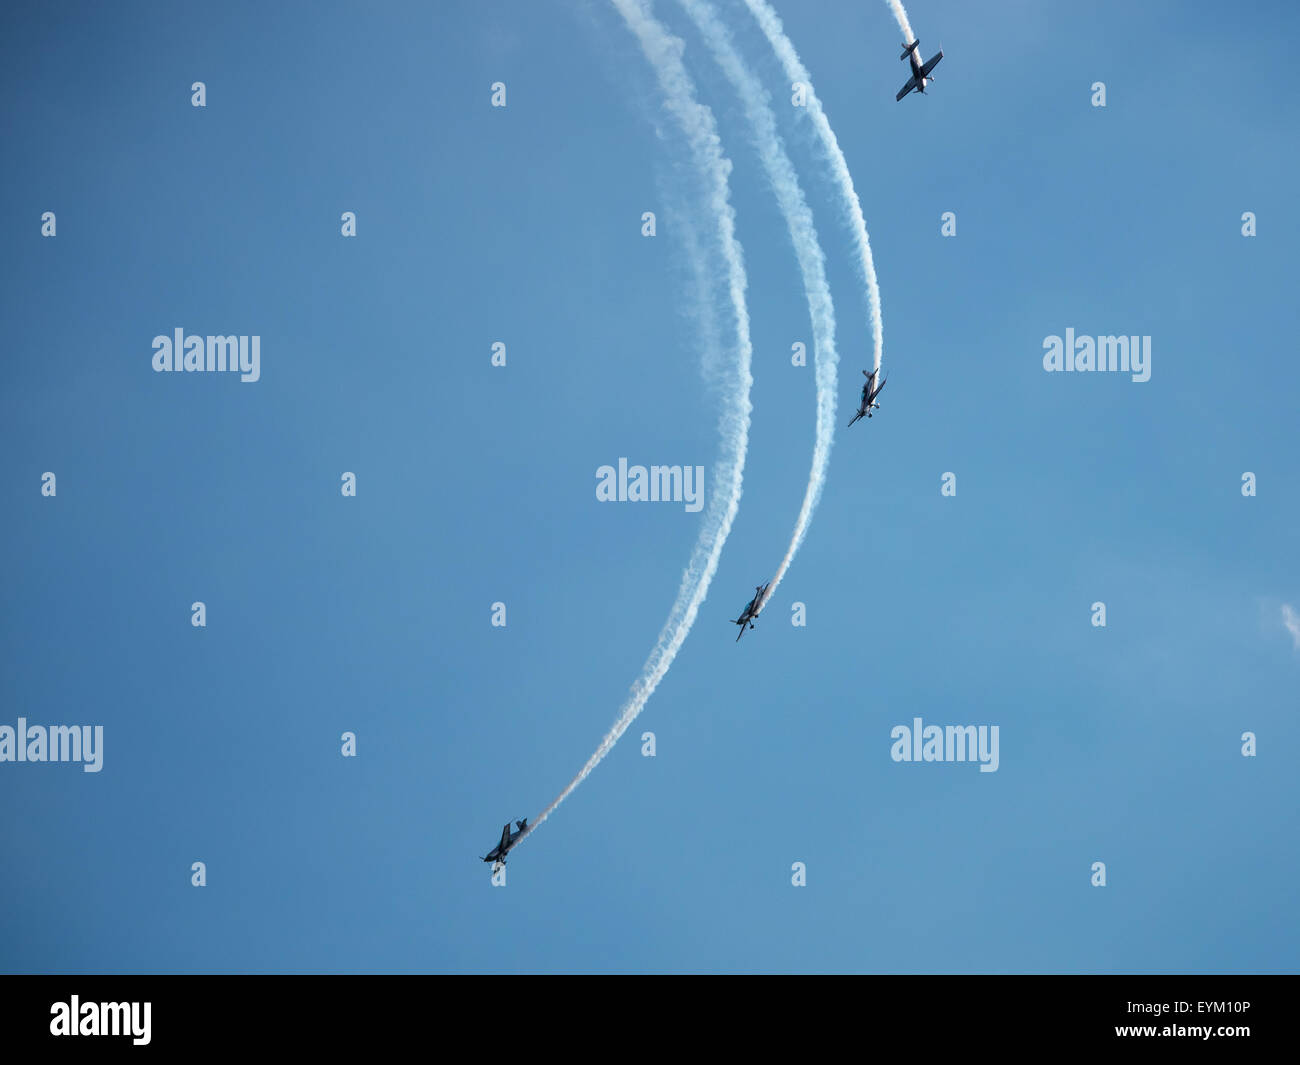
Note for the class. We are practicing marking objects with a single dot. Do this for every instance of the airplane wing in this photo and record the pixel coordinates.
(934, 62)
(855, 418)
(911, 84)
(505, 837)
(741, 633)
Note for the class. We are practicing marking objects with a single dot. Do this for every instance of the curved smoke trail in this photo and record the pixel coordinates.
(770, 23)
(803, 234)
(665, 55)
(900, 16)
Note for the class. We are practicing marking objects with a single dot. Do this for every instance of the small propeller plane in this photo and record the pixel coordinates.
(869, 393)
(751, 609)
(497, 854)
(920, 74)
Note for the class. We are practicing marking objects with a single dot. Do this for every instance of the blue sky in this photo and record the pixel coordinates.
(476, 484)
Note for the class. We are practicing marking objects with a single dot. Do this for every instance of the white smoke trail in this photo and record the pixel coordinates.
(803, 234)
(1292, 622)
(770, 23)
(665, 55)
(900, 16)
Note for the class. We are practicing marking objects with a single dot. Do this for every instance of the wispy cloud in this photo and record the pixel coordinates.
(1292, 622)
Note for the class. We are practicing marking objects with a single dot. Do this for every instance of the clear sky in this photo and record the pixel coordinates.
(476, 484)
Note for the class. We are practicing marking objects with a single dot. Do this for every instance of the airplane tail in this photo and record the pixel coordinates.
(907, 48)
(521, 825)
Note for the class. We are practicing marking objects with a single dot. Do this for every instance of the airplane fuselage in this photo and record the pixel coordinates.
(869, 393)
(751, 610)
(921, 79)
(509, 837)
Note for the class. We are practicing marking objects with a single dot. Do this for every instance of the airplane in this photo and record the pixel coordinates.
(498, 853)
(920, 74)
(869, 393)
(751, 609)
